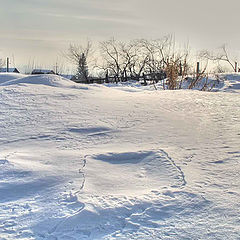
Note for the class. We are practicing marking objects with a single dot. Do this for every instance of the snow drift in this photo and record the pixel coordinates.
(118, 162)
(4, 77)
(43, 79)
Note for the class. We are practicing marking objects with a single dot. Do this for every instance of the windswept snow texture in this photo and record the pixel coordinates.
(118, 162)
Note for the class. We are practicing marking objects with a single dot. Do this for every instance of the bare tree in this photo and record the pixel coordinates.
(222, 56)
(125, 59)
(173, 60)
(75, 52)
(128, 55)
(163, 57)
(110, 51)
(142, 57)
(135, 58)
(80, 56)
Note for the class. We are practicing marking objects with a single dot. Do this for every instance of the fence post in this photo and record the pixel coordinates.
(236, 66)
(107, 81)
(198, 68)
(144, 79)
(7, 64)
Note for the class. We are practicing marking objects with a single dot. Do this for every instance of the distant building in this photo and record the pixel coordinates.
(11, 70)
(68, 76)
(43, 71)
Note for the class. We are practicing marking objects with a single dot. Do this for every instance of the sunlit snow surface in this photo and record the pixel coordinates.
(118, 162)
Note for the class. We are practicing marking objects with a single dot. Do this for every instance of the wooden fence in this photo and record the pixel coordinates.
(143, 79)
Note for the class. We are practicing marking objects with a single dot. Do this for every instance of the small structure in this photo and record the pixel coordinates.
(11, 70)
(43, 71)
(68, 76)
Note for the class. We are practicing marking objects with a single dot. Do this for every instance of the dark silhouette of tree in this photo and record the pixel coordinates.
(80, 56)
(82, 69)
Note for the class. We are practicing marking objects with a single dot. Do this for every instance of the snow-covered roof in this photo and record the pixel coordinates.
(43, 71)
(9, 70)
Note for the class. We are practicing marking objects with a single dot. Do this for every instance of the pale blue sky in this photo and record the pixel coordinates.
(41, 29)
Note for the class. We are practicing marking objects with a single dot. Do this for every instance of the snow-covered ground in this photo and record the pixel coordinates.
(118, 162)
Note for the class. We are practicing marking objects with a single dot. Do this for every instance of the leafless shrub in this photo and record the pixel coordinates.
(222, 56)
(172, 71)
(198, 78)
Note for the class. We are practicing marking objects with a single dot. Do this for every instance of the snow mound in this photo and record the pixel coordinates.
(225, 82)
(231, 82)
(5, 77)
(48, 80)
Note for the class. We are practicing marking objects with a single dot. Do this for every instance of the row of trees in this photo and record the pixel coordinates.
(158, 58)
(133, 59)
(143, 59)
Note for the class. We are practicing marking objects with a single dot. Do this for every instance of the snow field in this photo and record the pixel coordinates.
(125, 162)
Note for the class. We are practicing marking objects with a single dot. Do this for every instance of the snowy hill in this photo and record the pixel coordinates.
(43, 79)
(118, 162)
(4, 77)
(230, 82)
